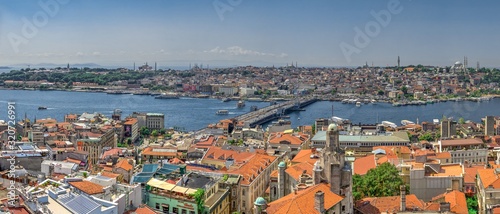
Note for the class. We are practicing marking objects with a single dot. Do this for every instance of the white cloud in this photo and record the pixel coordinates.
(96, 53)
(239, 51)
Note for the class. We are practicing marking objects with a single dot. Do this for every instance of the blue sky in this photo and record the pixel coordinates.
(248, 32)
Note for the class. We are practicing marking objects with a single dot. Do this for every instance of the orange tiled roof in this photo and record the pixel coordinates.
(390, 203)
(71, 160)
(254, 167)
(470, 173)
(456, 199)
(298, 169)
(109, 174)
(303, 201)
(394, 149)
(124, 164)
(489, 177)
(87, 187)
(443, 155)
(130, 121)
(462, 142)
(144, 210)
(362, 165)
(149, 151)
(111, 152)
(305, 156)
(276, 138)
(217, 153)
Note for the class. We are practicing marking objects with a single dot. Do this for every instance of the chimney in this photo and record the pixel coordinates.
(319, 202)
(444, 207)
(402, 190)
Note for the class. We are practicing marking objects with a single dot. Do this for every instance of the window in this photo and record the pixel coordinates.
(165, 208)
(343, 208)
(184, 211)
(243, 192)
(175, 210)
(157, 206)
(191, 212)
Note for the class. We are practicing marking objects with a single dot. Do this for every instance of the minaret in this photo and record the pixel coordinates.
(134, 66)
(155, 66)
(398, 63)
(281, 179)
(477, 66)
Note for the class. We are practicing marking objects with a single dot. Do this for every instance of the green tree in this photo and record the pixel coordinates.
(472, 204)
(461, 120)
(380, 92)
(154, 133)
(384, 180)
(198, 197)
(144, 131)
(426, 137)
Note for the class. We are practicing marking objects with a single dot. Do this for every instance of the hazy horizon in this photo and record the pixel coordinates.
(224, 33)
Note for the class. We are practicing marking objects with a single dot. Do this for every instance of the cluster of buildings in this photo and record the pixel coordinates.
(389, 84)
(76, 166)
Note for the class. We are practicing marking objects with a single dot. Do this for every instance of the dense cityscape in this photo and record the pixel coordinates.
(249, 107)
(134, 164)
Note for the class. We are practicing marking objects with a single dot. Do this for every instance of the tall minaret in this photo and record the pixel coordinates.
(477, 66)
(134, 66)
(398, 63)
(155, 66)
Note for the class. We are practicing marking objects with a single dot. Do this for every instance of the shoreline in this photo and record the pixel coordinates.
(271, 99)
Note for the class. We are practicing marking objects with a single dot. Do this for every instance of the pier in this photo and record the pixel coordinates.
(274, 112)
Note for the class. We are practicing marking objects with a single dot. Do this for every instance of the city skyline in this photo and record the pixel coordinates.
(228, 33)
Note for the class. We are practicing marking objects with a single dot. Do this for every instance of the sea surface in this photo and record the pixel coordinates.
(193, 114)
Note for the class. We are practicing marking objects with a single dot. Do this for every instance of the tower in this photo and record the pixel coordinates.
(477, 66)
(134, 66)
(336, 170)
(398, 63)
(281, 179)
(155, 66)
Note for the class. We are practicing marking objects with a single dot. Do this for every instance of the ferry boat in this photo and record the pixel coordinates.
(389, 124)
(241, 104)
(406, 122)
(42, 107)
(222, 112)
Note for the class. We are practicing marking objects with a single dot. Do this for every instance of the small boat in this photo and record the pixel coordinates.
(222, 112)
(358, 104)
(42, 108)
(241, 104)
(225, 100)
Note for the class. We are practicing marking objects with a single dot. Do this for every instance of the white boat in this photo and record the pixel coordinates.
(241, 104)
(222, 112)
(358, 104)
(389, 124)
(406, 122)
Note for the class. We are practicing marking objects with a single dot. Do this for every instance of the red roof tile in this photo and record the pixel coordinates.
(303, 201)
